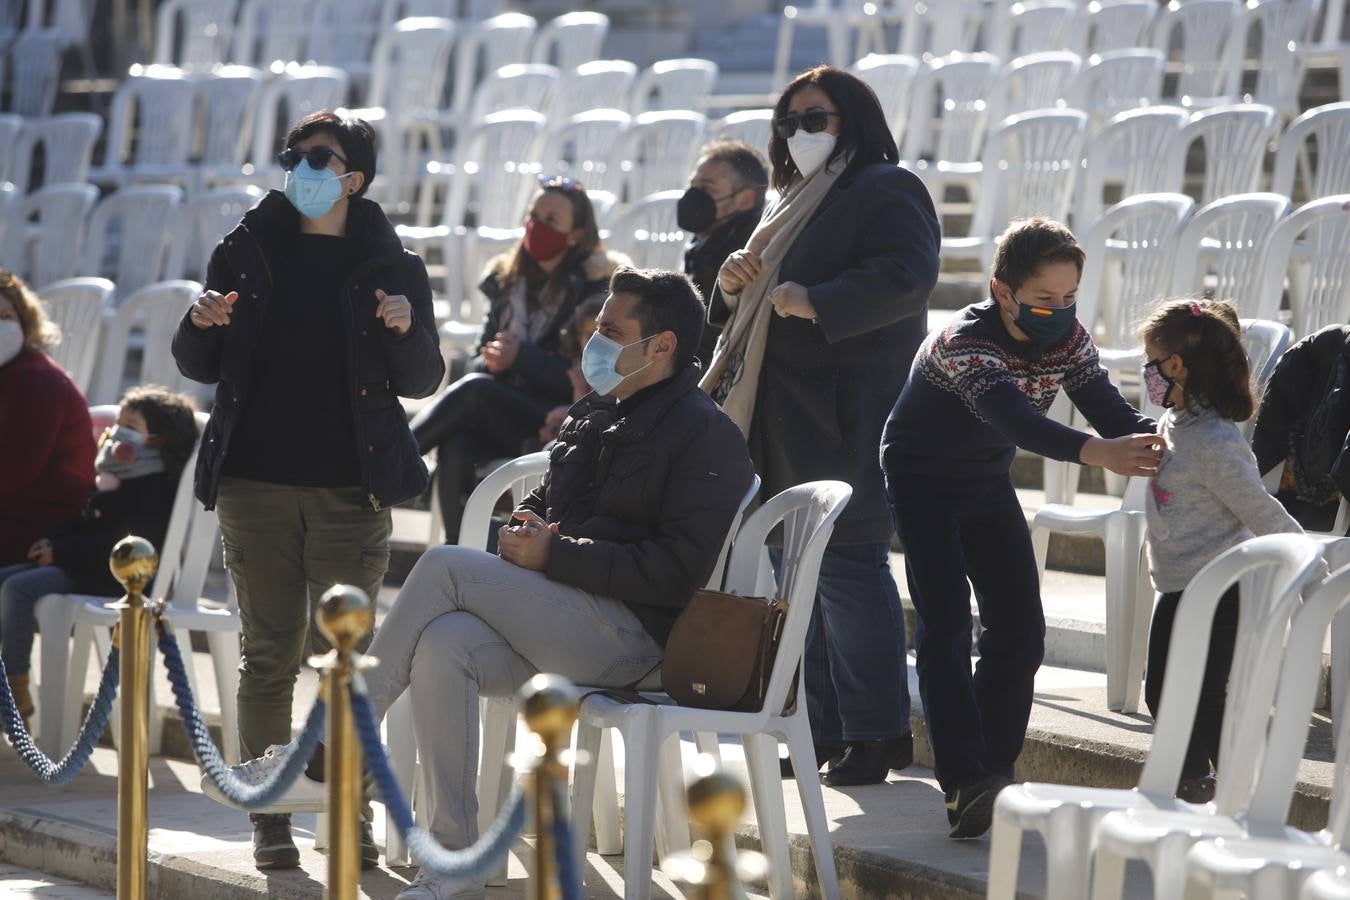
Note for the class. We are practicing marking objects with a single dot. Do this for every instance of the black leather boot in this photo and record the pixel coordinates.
(868, 762)
(826, 755)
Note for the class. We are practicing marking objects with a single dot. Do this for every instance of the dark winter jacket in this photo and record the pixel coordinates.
(1304, 419)
(703, 259)
(381, 365)
(140, 506)
(869, 260)
(643, 494)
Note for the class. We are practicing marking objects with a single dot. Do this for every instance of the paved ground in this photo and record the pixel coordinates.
(17, 883)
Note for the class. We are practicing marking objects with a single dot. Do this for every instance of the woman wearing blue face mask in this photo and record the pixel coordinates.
(314, 322)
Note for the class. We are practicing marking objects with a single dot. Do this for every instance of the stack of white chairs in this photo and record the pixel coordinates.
(1117, 80)
(839, 21)
(1312, 247)
(1035, 81)
(159, 104)
(1201, 29)
(1328, 127)
(152, 313)
(891, 76)
(66, 144)
(948, 118)
(750, 126)
(206, 27)
(1034, 26)
(1282, 25)
(34, 68)
(342, 34)
(269, 35)
(1106, 27)
(1219, 250)
(127, 239)
(647, 232)
(1129, 152)
(484, 48)
(50, 248)
(581, 147)
(933, 30)
(571, 40)
(227, 101)
(674, 84)
(78, 307)
(658, 150)
(1234, 139)
(532, 86)
(600, 84)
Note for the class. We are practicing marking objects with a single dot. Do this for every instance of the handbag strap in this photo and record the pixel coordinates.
(629, 693)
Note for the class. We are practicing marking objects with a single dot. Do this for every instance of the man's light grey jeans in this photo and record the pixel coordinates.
(467, 624)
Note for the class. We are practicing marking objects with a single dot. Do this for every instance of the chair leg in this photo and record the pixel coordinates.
(56, 617)
(708, 745)
(224, 646)
(1040, 547)
(494, 778)
(1119, 600)
(1142, 613)
(1068, 859)
(673, 824)
(605, 807)
(641, 746)
(398, 724)
(1108, 875)
(321, 831)
(584, 772)
(803, 755)
(1005, 853)
(766, 785)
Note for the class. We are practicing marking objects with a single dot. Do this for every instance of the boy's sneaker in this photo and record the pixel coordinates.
(304, 795)
(429, 887)
(970, 809)
(273, 846)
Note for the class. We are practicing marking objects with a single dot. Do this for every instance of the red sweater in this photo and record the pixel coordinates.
(46, 452)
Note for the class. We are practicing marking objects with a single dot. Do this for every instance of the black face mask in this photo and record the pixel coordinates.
(697, 210)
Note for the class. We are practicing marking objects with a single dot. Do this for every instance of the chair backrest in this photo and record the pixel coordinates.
(657, 151)
(1328, 129)
(202, 222)
(1271, 571)
(409, 66)
(1226, 239)
(495, 169)
(11, 127)
(951, 98)
(1033, 26)
(1282, 25)
(674, 84)
(1131, 150)
(1028, 168)
(188, 540)
(35, 59)
(129, 225)
(603, 84)
(807, 514)
(1103, 27)
(1199, 30)
(155, 109)
(271, 33)
(1129, 263)
(1312, 247)
(206, 27)
(1235, 139)
(517, 477)
(891, 76)
(55, 251)
(284, 100)
(718, 577)
(343, 32)
(1264, 342)
(519, 86)
(1117, 80)
(571, 40)
(77, 306)
(648, 233)
(1036, 81)
(67, 144)
(156, 310)
(227, 99)
(582, 147)
(487, 46)
(69, 18)
(750, 126)
(932, 30)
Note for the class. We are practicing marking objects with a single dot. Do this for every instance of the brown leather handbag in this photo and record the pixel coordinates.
(721, 650)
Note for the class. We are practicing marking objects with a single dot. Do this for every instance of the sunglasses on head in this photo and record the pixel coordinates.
(318, 157)
(811, 122)
(559, 182)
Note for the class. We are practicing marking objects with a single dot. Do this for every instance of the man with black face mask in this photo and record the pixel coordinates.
(719, 210)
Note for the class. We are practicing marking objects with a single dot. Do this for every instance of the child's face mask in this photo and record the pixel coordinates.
(1158, 384)
(125, 453)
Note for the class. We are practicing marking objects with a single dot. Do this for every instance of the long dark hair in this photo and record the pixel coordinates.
(863, 131)
(520, 264)
(1207, 335)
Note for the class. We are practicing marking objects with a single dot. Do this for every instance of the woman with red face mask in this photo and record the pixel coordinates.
(520, 371)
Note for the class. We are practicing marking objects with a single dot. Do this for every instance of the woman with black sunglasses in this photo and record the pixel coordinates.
(521, 370)
(824, 310)
(313, 323)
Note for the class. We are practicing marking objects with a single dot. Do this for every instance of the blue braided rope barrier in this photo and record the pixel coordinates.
(569, 877)
(246, 796)
(95, 721)
(472, 864)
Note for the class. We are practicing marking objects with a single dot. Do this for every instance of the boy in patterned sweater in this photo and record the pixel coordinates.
(979, 389)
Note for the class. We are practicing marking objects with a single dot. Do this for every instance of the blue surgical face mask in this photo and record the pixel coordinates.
(1045, 325)
(600, 362)
(313, 191)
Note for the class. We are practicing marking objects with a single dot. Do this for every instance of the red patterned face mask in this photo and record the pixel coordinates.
(542, 241)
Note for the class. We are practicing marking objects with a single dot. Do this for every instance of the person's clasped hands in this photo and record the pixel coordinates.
(499, 354)
(526, 544)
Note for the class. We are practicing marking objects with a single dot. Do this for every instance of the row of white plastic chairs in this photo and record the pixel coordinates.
(30, 69)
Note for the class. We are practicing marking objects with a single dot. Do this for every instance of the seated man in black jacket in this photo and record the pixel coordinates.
(645, 478)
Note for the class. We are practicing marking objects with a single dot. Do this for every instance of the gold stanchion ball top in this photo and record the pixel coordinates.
(716, 802)
(345, 615)
(133, 563)
(549, 704)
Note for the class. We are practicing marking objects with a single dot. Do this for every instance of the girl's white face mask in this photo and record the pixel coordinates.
(11, 340)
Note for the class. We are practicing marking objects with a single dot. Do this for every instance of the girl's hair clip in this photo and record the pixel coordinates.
(1195, 308)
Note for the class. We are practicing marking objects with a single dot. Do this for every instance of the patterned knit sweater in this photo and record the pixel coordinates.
(975, 394)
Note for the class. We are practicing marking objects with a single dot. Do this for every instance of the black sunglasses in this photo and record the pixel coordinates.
(812, 121)
(318, 157)
(560, 183)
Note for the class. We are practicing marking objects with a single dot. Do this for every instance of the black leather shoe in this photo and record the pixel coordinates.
(370, 854)
(827, 755)
(273, 846)
(869, 762)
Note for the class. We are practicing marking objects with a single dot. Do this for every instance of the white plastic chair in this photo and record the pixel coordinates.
(1201, 29)
(839, 21)
(571, 40)
(206, 27)
(750, 126)
(658, 150)
(297, 92)
(582, 146)
(487, 46)
(77, 306)
(1130, 150)
(808, 513)
(342, 34)
(603, 84)
(674, 84)
(1028, 168)
(1033, 26)
(891, 76)
(646, 231)
(1282, 24)
(1272, 570)
(11, 127)
(35, 62)
(155, 311)
(128, 227)
(160, 104)
(202, 222)
(1254, 791)
(1234, 138)
(271, 34)
(1224, 240)
(933, 30)
(67, 143)
(1117, 80)
(227, 98)
(948, 116)
(51, 249)
(1035, 81)
(1329, 128)
(532, 86)
(1311, 246)
(1104, 27)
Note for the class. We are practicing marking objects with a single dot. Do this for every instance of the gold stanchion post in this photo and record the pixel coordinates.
(549, 704)
(711, 866)
(133, 563)
(345, 616)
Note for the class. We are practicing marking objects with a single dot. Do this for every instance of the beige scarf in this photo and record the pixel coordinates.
(732, 379)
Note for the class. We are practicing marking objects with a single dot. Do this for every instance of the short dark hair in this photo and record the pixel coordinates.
(170, 416)
(667, 301)
(746, 163)
(1027, 244)
(1207, 335)
(355, 136)
(863, 131)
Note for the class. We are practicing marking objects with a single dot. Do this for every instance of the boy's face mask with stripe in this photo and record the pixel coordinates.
(1049, 321)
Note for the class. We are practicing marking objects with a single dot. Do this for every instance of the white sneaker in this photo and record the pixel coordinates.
(429, 887)
(304, 795)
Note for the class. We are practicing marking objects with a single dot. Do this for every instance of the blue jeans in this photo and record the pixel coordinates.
(856, 677)
(21, 587)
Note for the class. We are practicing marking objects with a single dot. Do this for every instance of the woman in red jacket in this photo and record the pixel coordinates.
(46, 439)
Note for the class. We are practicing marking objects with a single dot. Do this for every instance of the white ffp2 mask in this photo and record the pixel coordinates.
(809, 151)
